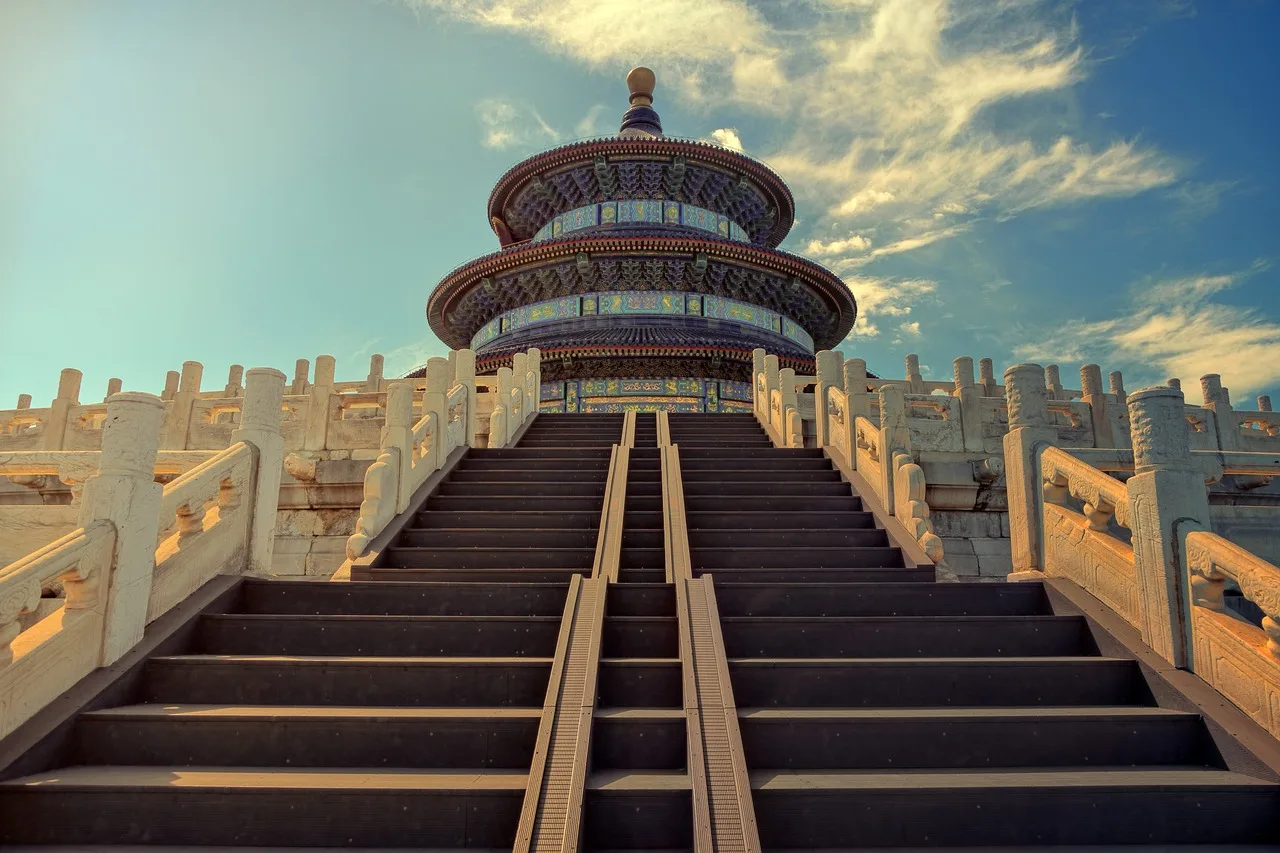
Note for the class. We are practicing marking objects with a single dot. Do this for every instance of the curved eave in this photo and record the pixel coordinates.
(769, 181)
(467, 276)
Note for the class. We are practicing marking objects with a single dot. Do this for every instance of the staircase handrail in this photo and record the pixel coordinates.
(72, 559)
(204, 527)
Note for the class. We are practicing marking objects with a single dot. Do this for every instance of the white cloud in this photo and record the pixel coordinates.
(910, 330)
(728, 137)
(885, 297)
(890, 105)
(504, 124)
(592, 123)
(1173, 328)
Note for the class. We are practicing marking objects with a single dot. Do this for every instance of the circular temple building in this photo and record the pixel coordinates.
(646, 269)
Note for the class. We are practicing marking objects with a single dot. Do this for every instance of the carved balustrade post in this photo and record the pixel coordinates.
(968, 393)
(535, 364)
(502, 402)
(1264, 403)
(1117, 388)
(787, 385)
(301, 369)
(771, 383)
(987, 377)
(1053, 383)
(465, 375)
(114, 386)
(260, 416)
(1030, 432)
(914, 380)
(1174, 383)
(125, 493)
(317, 426)
(895, 437)
(397, 435)
(235, 376)
(24, 401)
(177, 420)
(1218, 399)
(374, 381)
(435, 401)
(1167, 499)
(519, 376)
(170, 385)
(759, 394)
(55, 430)
(1099, 408)
(855, 385)
(830, 370)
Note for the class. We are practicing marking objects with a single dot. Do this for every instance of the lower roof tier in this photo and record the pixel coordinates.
(472, 296)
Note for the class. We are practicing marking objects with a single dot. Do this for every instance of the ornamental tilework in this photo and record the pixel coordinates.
(727, 406)
(713, 396)
(551, 391)
(571, 396)
(730, 390)
(641, 303)
(642, 210)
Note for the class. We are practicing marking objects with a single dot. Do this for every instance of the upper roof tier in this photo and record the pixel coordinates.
(745, 197)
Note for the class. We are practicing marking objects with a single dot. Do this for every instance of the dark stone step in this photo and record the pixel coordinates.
(462, 576)
(307, 736)
(642, 576)
(779, 538)
(905, 600)
(638, 519)
(495, 519)
(695, 453)
(264, 808)
(532, 463)
(780, 490)
(640, 637)
(390, 636)
(767, 503)
(642, 537)
(509, 503)
(488, 558)
(439, 682)
(644, 488)
(570, 456)
(536, 475)
(692, 462)
(641, 600)
(710, 559)
(996, 808)
(762, 476)
(407, 599)
(892, 636)
(818, 576)
(500, 537)
(945, 682)
(977, 738)
(642, 558)
(708, 520)
(537, 488)
(639, 683)
(639, 739)
(630, 810)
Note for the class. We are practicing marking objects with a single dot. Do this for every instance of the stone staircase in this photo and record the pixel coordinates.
(878, 709)
(431, 702)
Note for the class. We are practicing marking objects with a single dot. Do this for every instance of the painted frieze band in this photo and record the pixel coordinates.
(637, 211)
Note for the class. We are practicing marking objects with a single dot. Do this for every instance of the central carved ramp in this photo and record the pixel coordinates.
(881, 710)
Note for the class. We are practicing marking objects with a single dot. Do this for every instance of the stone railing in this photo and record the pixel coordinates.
(411, 451)
(1239, 659)
(1142, 545)
(844, 428)
(116, 570)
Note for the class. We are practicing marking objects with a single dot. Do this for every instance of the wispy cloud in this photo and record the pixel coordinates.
(505, 124)
(592, 123)
(885, 297)
(1173, 327)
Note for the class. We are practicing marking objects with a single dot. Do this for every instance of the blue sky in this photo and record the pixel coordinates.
(254, 181)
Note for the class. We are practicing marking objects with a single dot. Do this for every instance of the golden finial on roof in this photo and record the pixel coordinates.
(640, 82)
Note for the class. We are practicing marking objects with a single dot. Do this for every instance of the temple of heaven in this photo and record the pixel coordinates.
(646, 269)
